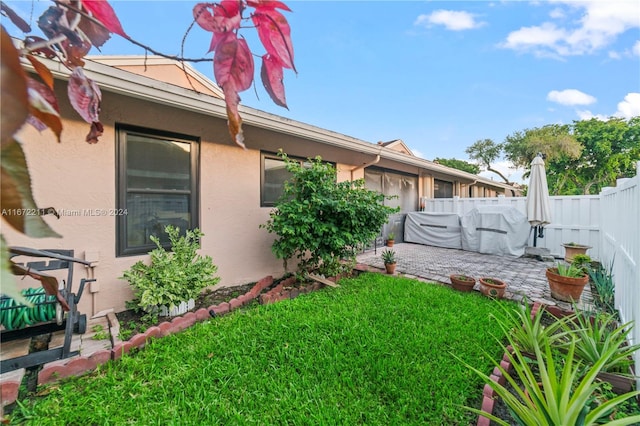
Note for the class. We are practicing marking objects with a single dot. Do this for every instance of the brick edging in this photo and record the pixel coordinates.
(76, 366)
(56, 370)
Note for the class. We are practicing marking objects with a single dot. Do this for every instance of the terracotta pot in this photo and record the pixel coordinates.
(390, 243)
(462, 284)
(566, 289)
(390, 267)
(570, 251)
(492, 287)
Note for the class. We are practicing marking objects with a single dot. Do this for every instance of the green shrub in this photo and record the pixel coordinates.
(173, 276)
(321, 222)
(582, 261)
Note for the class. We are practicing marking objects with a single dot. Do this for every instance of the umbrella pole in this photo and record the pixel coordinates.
(535, 236)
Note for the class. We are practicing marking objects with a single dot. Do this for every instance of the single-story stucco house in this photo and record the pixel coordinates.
(166, 157)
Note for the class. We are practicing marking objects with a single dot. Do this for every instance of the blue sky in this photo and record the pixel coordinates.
(437, 74)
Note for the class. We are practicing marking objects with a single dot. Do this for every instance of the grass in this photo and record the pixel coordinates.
(376, 351)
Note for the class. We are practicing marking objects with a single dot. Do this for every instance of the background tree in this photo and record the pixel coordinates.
(580, 158)
(485, 152)
(610, 151)
(558, 146)
(322, 222)
(465, 166)
(553, 141)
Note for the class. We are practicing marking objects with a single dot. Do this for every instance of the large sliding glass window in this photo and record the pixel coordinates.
(442, 189)
(157, 186)
(405, 187)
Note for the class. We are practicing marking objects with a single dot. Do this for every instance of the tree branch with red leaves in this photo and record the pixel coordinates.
(72, 28)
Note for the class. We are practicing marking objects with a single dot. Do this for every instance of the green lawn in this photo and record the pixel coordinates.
(376, 351)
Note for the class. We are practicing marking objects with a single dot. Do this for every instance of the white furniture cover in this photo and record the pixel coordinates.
(495, 229)
(433, 229)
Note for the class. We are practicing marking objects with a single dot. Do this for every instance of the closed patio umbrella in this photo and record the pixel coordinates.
(538, 204)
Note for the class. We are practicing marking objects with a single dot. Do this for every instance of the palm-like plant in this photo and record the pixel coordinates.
(555, 395)
(388, 256)
(526, 332)
(599, 335)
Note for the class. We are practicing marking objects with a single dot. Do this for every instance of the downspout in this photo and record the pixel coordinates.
(365, 165)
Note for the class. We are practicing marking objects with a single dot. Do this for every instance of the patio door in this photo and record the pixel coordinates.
(403, 186)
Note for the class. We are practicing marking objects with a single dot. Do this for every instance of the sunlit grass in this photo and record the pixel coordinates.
(375, 351)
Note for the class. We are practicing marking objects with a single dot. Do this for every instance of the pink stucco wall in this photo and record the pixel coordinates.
(75, 177)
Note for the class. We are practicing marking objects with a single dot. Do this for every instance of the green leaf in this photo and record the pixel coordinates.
(16, 200)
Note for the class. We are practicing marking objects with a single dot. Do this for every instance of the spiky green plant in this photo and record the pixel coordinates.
(388, 256)
(569, 270)
(602, 279)
(526, 332)
(555, 395)
(598, 335)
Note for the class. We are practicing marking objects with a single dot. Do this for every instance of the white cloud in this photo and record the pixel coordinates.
(588, 115)
(598, 26)
(537, 37)
(614, 55)
(636, 48)
(570, 97)
(629, 107)
(557, 13)
(451, 19)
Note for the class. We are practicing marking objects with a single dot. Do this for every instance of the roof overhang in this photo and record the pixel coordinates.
(139, 87)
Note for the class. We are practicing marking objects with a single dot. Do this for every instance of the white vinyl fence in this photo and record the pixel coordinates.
(620, 242)
(574, 218)
(608, 222)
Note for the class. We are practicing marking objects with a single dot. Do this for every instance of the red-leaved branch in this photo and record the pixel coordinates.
(72, 27)
(233, 61)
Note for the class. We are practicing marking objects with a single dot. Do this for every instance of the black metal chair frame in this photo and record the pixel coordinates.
(54, 259)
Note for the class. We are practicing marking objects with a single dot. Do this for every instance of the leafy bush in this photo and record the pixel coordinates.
(173, 276)
(582, 261)
(322, 222)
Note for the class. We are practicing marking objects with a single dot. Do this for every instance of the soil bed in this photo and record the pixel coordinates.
(134, 321)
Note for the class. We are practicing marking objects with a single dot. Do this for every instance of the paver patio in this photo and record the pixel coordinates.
(524, 276)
